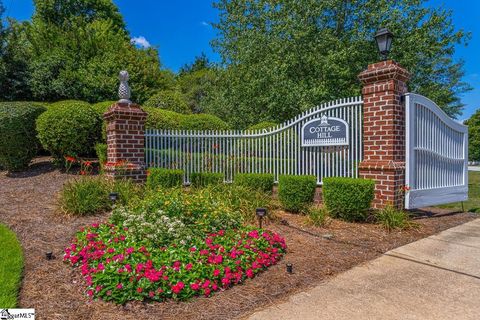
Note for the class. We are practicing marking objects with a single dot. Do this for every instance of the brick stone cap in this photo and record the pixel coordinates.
(382, 165)
(123, 110)
(384, 70)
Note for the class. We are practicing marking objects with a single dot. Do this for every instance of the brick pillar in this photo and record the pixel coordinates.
(384, 83)
(126, 141)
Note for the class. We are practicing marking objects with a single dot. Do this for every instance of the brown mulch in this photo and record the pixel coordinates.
(55, 290)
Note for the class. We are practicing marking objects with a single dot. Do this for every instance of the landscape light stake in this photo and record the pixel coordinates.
(289, 268)
(261, 212)
(384, 38)
(113, 197)
(49, 255)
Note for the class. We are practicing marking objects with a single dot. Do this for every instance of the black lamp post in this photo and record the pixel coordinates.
(384, 42)
(113, 197)
(261, 212)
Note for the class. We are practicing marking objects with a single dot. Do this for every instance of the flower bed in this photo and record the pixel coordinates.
(117, 267)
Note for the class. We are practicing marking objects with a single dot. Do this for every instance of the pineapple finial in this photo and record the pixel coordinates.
(124, 89)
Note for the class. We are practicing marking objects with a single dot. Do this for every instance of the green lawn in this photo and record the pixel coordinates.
(473, 202)
(11, 265)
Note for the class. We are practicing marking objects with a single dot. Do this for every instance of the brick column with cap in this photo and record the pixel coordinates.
(125, 137)
(384, 84)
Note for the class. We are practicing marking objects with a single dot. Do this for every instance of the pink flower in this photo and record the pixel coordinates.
(139, 290)
(216, 273)
(207, 292)
(151, 294)
(128, 267)
(129, 250)
(188, 266)
(110, 250)
(204, 252)
(195, 286)
(100, 267)
(206, 284)
(193, 249)
(119, 286)
(90, 293)
(178, 287)
(253, 234)
(98, 288)
(250, 273)
(226, 281)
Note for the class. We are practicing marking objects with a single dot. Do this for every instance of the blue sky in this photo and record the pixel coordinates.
(180, 30)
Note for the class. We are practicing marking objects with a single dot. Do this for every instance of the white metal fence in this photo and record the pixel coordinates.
(436, 155)
(277, 150)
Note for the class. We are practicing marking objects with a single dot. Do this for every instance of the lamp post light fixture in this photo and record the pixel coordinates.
(384, 38)
(113, 197)
(261, 212)
(289, 268)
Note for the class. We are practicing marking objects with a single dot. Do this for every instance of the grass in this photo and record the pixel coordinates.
(473, 202)
(391, 218)
(11, 265)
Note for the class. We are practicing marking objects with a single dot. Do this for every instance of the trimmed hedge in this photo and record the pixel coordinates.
(162, 119)
(262, 125)
(18, 141)
(257, 181)
(203, 179)
(164, 178)
(172, 100)
(202, 121)
(63, 103)
(70, 129)
(296, 192)
(348, 198)
(103, 106)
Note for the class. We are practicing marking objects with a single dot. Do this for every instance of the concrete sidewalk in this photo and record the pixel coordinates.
(435, 278)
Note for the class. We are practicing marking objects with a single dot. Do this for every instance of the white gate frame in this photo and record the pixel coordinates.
(436, 155)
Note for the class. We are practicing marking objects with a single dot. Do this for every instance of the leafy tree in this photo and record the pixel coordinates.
(474, 136)
(195, 81)
(282, 57)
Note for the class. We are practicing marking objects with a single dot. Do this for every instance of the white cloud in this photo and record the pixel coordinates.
(205, 24)
(141, 42)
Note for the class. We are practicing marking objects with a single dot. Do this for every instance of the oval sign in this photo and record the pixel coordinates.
(326, 131)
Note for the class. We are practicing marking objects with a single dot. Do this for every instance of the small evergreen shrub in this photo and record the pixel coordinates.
(63, 103)
(85, 196)
(18, 141)
(103, 106)
(262, 125)
(164, 178)
(296, 192)
(202, 121)
(172, 100)
(69, 130)
(162, 119)
(348, 198)
(257, 181)
(203, 179)
(391, 218)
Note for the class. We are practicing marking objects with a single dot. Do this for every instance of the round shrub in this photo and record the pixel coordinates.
(103, 106)
(172, 100)
(257, 181)
(296, 192)
(162, 119)
(18, 141)
(202, 121)
(348, 198)
(63, 103)
(262, 125)
(164, 178)
(203, 179)
(72, 129)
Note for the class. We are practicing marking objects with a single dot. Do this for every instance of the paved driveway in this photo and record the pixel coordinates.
(435, 278)
(476, 168)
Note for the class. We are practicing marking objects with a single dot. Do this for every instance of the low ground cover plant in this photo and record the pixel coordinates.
(348, 198)
(317, 216)
(296, 192)
(11, 266)
(173, 244)
(258, 181)
(18, 141)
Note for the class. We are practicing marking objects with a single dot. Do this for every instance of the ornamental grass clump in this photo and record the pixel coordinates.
(391, 218)
(85, 196)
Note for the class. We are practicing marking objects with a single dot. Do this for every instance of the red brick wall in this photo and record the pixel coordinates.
(384, 83)
(126, 141)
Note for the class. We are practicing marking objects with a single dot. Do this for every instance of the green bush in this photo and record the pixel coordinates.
(348, 198)
(128, 191)
(203, 179)
(101, 151)
(18, 141)
(63, 103)
(391, 218)
(162, 119)
(172, 100)
(257, 181)
(296, 192)
(85, 196)
(103, 106)
(164, 178)
(71, 129)
(262, 125)
(202, 121)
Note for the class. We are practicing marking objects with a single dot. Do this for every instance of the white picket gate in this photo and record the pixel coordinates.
(276, 150)
(436, 155)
